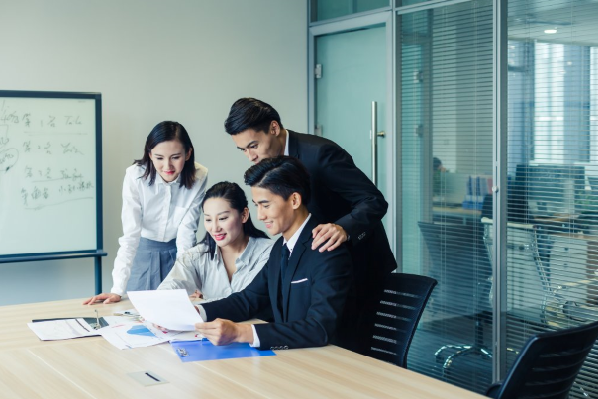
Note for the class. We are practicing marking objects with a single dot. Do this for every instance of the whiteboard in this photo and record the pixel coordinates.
(50, 185)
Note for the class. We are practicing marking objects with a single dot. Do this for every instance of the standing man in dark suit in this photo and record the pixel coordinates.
(306, 290)
(342, 196)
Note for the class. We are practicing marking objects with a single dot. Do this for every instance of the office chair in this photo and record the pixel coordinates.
(548, 364)
(563, 294)
(460, 250)
(562, 303)
(399, 309)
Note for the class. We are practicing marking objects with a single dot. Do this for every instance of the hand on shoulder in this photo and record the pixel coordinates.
(330, 235)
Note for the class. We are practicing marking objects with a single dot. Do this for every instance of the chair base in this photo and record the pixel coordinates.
(460, 350)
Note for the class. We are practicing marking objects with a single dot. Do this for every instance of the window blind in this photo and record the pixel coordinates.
(552, 232)
(445, 125)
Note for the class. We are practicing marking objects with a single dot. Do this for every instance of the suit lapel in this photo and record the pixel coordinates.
(293, 144)
(274, 280)
(301, 246)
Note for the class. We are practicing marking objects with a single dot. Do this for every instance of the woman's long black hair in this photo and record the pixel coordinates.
(235, 196)
(168, 131)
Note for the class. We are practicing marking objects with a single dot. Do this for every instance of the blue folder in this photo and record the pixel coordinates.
(190, 351)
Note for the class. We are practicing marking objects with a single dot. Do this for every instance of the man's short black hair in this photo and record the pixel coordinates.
(250, 113)
(282, 175)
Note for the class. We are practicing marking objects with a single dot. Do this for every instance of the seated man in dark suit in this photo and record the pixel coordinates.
(305, 289)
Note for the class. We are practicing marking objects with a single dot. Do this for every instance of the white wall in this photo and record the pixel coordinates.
(182, 60)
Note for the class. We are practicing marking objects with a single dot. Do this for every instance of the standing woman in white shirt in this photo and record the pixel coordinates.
(162, 194)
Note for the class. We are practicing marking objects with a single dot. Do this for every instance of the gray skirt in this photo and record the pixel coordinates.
(152, 264)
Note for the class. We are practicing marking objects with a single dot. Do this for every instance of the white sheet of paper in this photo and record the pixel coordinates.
(166, 334)
(62, 329)
(130, 335)
(188, 336)
(114, 320)
(170, 309)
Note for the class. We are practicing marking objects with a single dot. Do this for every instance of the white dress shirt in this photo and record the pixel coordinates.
(293, 240)
(286, 145)
(195, 270)
(160, 212)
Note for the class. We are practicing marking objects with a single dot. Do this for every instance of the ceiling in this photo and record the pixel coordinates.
(575, 21)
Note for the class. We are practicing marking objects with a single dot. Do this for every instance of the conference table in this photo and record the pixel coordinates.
(93, 368)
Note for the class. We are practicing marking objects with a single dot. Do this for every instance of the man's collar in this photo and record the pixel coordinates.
(293, 240)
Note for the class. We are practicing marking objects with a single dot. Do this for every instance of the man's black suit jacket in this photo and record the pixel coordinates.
(307, 305)
(343, 194)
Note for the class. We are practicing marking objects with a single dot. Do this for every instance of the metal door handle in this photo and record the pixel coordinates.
(373, 138)
(374, 133)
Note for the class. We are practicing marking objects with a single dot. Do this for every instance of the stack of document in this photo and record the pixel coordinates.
(169, 309)
(132, 334)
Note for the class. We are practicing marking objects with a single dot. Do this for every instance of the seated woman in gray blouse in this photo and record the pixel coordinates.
(232, 252)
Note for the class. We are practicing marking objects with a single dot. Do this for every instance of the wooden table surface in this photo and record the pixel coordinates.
(93, 368)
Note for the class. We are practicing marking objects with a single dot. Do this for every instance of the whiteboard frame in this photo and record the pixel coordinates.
(98, 251)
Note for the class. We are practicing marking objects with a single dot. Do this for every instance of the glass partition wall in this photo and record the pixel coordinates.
(322, 10)
(446, 181)
(552, 215)
(445, 103)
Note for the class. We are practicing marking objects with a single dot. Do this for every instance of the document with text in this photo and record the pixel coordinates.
(62, 329)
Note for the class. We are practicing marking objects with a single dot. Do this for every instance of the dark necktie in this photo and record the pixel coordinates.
(284, 260)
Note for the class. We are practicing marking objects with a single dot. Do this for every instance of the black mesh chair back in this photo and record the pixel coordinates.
(548, 364)
(459, 261)
(399, 309)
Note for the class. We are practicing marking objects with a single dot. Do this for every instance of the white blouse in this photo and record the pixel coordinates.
(160, 212)
(195, 270)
